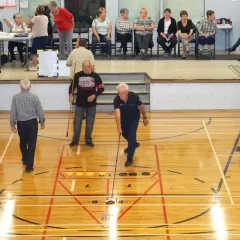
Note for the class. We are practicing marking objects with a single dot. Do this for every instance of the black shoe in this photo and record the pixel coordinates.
(90, 144)
(73, 143)
(124, 56)
(29, 170)
(142, 55)
(126, 150)
(12, 59)
(128, 163)
(231, 50)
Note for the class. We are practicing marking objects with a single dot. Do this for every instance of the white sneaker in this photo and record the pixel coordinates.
(32, 68)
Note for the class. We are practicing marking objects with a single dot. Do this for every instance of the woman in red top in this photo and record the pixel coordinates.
(64, 21)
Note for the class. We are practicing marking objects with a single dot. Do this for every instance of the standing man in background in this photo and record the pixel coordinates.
(25, 110)
(89, 87)
(127, 107)
(78, 55)
(65, 22)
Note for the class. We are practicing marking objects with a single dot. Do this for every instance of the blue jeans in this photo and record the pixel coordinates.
(129, 132)
(106, 48)
(202, 40)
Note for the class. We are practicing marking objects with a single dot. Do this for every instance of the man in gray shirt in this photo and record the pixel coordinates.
(25, 110)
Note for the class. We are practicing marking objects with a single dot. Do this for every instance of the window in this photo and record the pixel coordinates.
(134, 6)
(84, 10)
(31, 7)
(194, 8)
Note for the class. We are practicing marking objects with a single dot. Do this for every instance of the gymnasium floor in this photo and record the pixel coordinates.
(184, 183)
(156, 69)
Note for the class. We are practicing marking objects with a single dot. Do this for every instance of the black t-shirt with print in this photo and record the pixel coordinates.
(87, 85)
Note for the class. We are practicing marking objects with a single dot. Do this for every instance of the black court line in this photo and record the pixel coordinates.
(143, 140)
(174, 172)
(72, 167)
(214, 191)
(2, 191)
(199, 180)
(41, 173)
(16, 181)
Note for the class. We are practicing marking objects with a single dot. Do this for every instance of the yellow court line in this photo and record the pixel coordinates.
(218, 163)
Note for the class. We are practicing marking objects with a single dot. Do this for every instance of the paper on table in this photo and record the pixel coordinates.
(48, 64)
(63, 70)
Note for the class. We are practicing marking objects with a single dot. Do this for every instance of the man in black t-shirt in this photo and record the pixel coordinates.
(89, 87)
(127, 107)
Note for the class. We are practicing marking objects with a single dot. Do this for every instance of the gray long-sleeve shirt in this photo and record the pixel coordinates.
(26, 106)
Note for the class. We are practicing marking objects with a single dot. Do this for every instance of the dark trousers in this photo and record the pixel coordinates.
(27, 131)
(90, 117)
(162, 42)
(106, 48)
(129, 132)
(124, 39)
(12, 45)
(143, 42)
(202, 40)
(234, 47)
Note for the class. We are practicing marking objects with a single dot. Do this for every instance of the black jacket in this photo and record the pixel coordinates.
(172, 28)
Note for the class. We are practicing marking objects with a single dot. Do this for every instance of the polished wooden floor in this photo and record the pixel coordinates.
(156, 69)
(184, 183)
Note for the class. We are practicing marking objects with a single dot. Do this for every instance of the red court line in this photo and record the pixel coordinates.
(137, 200)
(110, 171)
(53, 193)
(80, 203)
(88, 178)
(62, 175)
(161, 192)
(154, 175)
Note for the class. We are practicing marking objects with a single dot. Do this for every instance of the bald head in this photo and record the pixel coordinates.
(86, 67)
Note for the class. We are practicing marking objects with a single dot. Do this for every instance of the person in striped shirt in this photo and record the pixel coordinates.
(207, 30)
(26, 108)
(124, 28)
(143, 26)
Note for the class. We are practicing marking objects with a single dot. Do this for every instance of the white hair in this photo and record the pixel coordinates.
(25, 84)
(122, 85)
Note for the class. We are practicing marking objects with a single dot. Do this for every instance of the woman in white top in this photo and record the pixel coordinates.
(102, 29)
(39, 25)
(167, 29)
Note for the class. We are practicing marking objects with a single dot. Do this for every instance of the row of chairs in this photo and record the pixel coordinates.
(82, 28)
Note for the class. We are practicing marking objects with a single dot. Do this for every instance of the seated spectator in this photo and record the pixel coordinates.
(78, 56)
(167, 29)
(185, 31)
(39, 25)
(143, 26)
(207, 31)
(124, 27)
(18, 26)
(102, 28)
